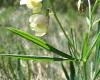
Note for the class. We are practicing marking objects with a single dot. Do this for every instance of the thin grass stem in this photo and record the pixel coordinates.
(55, 15)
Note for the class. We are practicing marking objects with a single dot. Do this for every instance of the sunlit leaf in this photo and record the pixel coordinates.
(39, 42)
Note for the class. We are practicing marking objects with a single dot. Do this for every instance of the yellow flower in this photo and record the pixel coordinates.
(39, 23)
(35, 5)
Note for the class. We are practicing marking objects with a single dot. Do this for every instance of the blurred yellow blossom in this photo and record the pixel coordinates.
(39, 23)
(35, 5)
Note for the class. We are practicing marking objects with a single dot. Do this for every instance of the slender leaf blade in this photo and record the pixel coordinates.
(39, 42)
(95, 41)
(29, 37)
(33, 57)
(85, 47)
(97, 52)
(65, 71)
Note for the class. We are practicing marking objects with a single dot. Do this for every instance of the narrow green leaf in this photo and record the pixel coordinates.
(74, 49)
(39, 42)
(90, 14)
(96, 21)
(33, 57)
(85, 47)
(95, 5)
(85, 70)
(97, 52)
(60, 25)
(95, 41)
(65, 71)
(29, 37)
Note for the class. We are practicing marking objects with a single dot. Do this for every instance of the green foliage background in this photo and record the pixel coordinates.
(11, 14)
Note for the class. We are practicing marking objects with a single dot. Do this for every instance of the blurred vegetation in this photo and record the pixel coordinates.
(7, 3)
(12, 14)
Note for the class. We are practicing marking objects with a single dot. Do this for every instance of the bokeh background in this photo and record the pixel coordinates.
(12, 14)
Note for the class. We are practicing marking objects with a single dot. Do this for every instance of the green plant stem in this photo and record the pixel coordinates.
(90, 15)
(85, 70)
(55, 15)
(97, 56)
(95, 5)
(65, 71)
(74, 43)
(72, 71)
(54, 12)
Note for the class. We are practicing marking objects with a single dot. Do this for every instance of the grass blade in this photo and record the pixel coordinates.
(65, 71)
(95, 5)
(97, 53)
(29, 37)
(33, 57)
(39, 42)
(95, 41)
